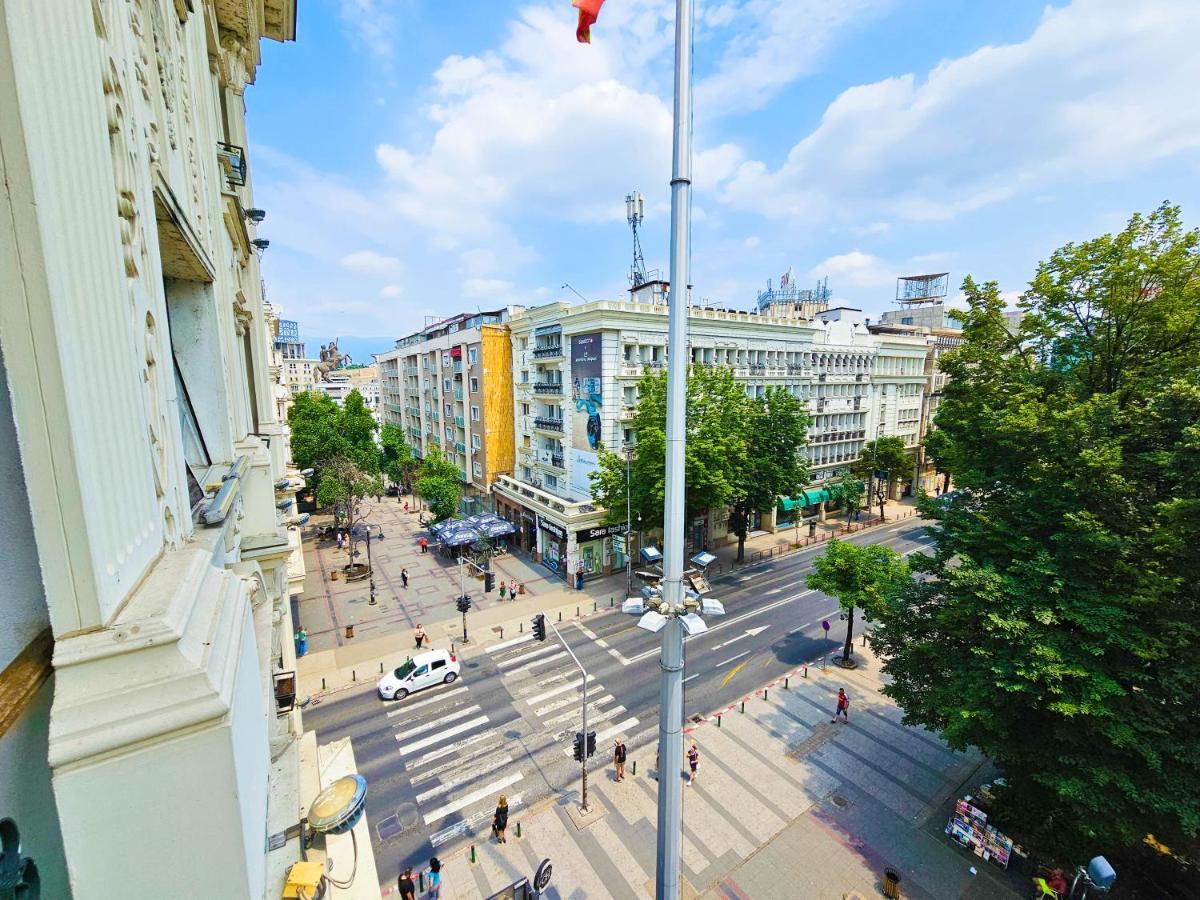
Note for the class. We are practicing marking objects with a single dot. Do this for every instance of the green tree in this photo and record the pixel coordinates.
(397, 460)
(715, 450)
(776, 431)
(439, 484)
(358, 427)
(322, 431)
(883, 453)
(849, 492)
(1059, 630)
(858, 577)
(342, 484)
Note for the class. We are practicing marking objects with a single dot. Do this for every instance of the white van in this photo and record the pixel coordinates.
(417, 672)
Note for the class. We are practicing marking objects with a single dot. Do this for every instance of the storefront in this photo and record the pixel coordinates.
(554, 546)
(594, 550)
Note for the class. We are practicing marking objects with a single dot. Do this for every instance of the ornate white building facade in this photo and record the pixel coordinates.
(145, 506)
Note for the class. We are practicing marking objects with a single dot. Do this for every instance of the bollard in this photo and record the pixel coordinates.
(381, 668)
(864, 643)
(785, 684)
(472, 853)
(635, 767)
(322, 684)
(718, 720)
(611, 602)
(824, 660)
(577, 612)
(421, 882)
(743, 706)
(522, 627)
(353, 675)
(560, 615)
(595, 605)
(805, 675)
(764, 693)
(501, 632)
(518, 829)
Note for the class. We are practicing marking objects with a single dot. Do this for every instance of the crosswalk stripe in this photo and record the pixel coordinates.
(525, 657)
(465, 775)
(409, 707)
(441, 769)
(607, 733)
(487, 790)
(561, 702)
(447, 750)
(535, 663)
(504, 645)
(449, 732)
(554, 692)
(466, 824)
(593, 718)
(574, 711)
(457, 714)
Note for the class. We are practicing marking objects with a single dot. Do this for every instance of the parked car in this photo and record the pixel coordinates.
(420, 671)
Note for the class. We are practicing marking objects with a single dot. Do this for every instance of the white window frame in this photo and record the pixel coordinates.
(475, 414)
(474, 385)
(472, 356)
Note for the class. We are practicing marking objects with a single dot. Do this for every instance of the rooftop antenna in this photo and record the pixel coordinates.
(634, 214)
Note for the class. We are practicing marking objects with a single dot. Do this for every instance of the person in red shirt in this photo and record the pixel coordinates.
(843, 707)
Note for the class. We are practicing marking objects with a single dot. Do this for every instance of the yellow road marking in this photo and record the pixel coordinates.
(733, 672)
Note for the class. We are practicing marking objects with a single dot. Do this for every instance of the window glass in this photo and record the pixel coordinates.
(424, 670)
(439, 663)
(405, 669)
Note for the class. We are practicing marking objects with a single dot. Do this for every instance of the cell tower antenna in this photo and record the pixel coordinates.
(634, 214)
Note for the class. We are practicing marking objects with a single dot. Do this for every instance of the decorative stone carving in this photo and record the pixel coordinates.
(235, 62)
(114, 95)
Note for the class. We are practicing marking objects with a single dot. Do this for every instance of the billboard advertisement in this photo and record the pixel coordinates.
(587, 398)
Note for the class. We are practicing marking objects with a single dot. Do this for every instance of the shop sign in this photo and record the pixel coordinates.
(557, 530)
(591, 534)
(528, 516)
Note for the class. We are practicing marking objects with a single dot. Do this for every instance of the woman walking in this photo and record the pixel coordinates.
(693, 756)
(435, 878)
(500, 820)
(503, 588)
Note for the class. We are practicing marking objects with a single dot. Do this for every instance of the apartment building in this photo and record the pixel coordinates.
(449, 386)
(148, 747)
(576, 370)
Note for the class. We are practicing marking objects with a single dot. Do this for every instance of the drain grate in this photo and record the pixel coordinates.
(696, 719)
(839, 801)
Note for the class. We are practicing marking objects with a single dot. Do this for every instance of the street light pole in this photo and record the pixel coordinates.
(583, 765)
(670, 722)
(628, 532)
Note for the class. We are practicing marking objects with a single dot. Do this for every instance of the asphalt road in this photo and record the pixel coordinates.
(436, 762)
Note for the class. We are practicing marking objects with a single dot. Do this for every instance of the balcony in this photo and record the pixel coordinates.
(464, 475)
(547, 424)
(549, 351)
(457, 367)
(435, 439)
(461, 447)
(460, 421)
(547, 387)
(458, 393)
(233, 163)
(412, 371)
(435, 417)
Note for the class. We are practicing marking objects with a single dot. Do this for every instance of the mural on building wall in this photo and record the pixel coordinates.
(587, 395)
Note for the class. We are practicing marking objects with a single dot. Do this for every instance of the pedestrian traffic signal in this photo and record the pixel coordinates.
(463, 603)
(489, 581)
(591, 743)
(539, 627)
(579, 746)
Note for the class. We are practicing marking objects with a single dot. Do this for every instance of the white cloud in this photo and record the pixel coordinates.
(751, 242)
(372, 263)
(497, 289)
(372, 24)
(1099, 90)
(391, 291)
(855, 269)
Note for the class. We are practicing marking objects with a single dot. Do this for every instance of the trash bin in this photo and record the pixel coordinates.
(891, 884)
(349, 631)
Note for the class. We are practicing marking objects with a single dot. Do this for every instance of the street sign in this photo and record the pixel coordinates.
(825, 625)
(542, 878)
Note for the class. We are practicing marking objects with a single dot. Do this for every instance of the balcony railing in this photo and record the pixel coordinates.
(556, 460)
(547, 387)
(548, 424)
(457, 367)
(460, 447)
(548, 352)
(233, 162)
(460, 421)
(458, 393)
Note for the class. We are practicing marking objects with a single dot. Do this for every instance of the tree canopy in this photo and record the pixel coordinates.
(1058, 632)
(322, 431)
(397, 460)
(439, 483)
(885, 453)
(859, 577)
(716, 448)
(848, 491)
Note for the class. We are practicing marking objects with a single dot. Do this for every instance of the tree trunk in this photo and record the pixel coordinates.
(849, 634)
(741, 533)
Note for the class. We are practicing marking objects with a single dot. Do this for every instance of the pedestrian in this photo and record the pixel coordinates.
(339, 540)
(435, 878)
(419, 635)
(693, 757)
(512, 589)
(619, 758)
(408, 890)
(500, 820)
(843, 707)
(503, 588)
(404, 578)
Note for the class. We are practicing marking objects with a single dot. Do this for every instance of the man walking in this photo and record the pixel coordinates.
(419, 635)
(404, 578)
(408, 890)
(843, 707)
(619, 758)
(693, 756)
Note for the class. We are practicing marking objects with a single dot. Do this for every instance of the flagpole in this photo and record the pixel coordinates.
(670, 722)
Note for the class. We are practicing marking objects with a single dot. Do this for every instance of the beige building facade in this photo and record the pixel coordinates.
(149, 746)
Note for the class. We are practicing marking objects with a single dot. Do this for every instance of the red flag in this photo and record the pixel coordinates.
(589, 10)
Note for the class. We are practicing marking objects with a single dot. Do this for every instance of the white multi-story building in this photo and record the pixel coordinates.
(576, 372)
(148, 745)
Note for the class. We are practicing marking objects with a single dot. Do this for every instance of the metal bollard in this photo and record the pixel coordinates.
(764, 693)
(353, 675)
(595, 605)
(560, 615)
(472, 853)
(421, 882)
(322, 684)
(611, 602)
(743, 706)
(501, 632)
(381, 668)
(785, 684)
(635, 767)
(522, 629)
(805, 675)
(577, 612)
(518, 829)
(718, 721)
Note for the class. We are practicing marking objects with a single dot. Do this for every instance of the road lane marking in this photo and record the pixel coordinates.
(450, 717)
(409, 707)
(526, 657)
(732, 672)
(462, 827)
(487, 790)
(612, 651)
(731, 659)
(496, 648)
(533, 665)
(449, 732)
(554, 692)
(690, 677)
(465, 776)
(447, 750)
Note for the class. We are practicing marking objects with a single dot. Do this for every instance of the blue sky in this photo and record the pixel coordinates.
(418, 158)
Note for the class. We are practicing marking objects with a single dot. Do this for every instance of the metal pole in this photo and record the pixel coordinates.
(670, 723)
(628, 533)
(583, 765)
(370, 568)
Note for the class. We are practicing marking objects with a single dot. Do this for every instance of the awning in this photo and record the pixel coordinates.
(815, 496)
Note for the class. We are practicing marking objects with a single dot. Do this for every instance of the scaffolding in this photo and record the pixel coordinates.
(920, 289)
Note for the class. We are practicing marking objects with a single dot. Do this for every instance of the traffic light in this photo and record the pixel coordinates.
(579, 746)
(539, 627)
(463, 603)
(489, 581)
(591, 743)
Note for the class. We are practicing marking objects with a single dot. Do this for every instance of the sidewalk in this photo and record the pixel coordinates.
(786, 805)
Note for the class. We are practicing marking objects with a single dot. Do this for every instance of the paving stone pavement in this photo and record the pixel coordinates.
(787, 805)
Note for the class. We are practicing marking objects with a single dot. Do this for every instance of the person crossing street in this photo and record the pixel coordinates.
(843, 707)
(619, 758)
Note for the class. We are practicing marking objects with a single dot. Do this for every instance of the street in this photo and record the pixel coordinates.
(437, 761)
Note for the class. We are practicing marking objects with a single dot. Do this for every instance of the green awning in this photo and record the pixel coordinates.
(787, 504)
(813, 497)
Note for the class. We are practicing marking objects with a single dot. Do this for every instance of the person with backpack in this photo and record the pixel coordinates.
(843, 707)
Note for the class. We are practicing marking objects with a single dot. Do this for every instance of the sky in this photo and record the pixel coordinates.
(419, 158)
